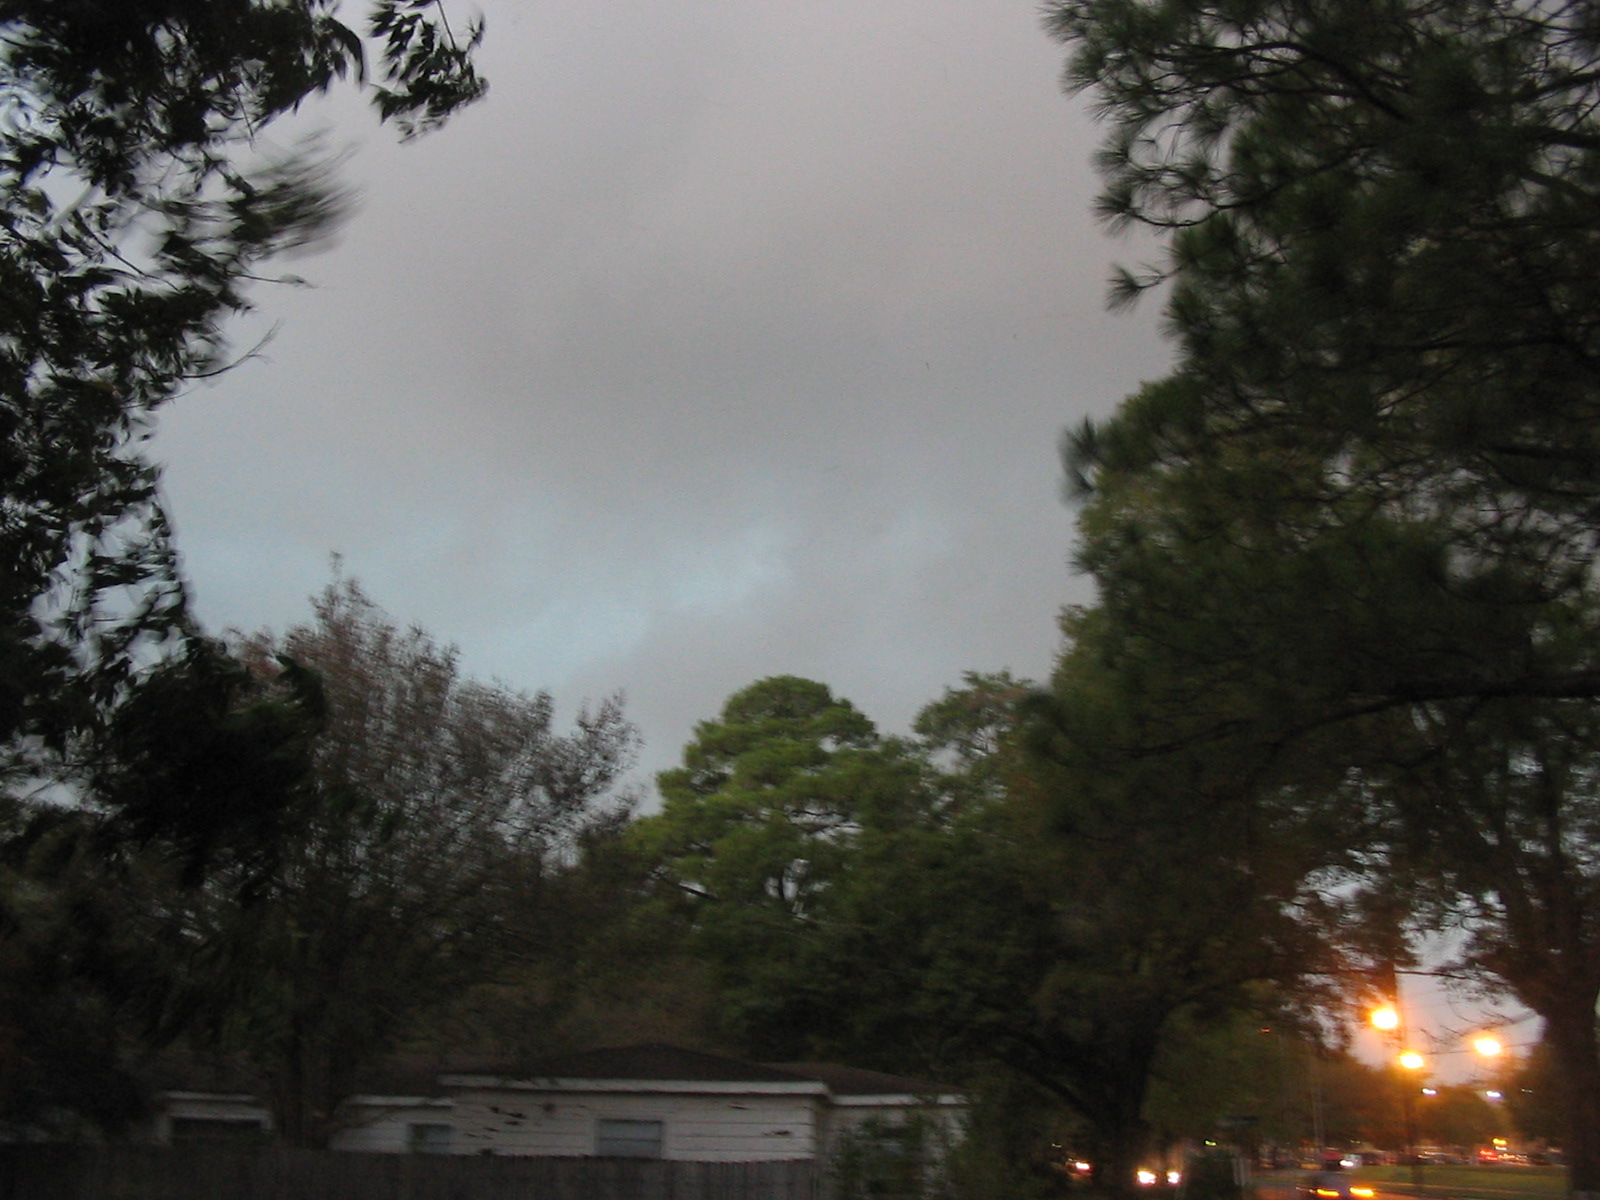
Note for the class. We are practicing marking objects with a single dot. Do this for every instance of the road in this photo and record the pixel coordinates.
(1526, 1184)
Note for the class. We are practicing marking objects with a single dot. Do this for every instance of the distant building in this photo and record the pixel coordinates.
(649, 1101)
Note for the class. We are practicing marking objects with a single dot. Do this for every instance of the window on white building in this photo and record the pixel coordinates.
(629, 1139)
(425, 1138)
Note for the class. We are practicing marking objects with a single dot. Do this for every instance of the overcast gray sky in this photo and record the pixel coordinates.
(726, 338)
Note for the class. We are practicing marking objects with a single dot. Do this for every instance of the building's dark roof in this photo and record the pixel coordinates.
(420, 1075)
(656, 1063)
(660, 1063)
(853, 1081)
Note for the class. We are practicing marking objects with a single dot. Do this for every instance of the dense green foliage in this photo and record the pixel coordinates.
(1183, 895)
(1533, 1094)
(964, 907)
(1346, 549)
(294, 857)
(755, 837)
(414, 869)
(1370, 477)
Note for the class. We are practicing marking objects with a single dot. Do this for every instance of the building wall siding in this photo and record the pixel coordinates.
(184, 1107)
(698, 1128)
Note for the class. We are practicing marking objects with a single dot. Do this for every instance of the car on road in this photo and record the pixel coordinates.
(1335, 1185)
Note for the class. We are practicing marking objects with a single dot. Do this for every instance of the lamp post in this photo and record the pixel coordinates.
(1487, 1045)
(1410, 1060)
(1387, 1019)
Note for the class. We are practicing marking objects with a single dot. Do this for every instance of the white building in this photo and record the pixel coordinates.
(632, 1102)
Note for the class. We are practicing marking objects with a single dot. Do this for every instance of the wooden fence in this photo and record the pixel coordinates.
(235, 1173)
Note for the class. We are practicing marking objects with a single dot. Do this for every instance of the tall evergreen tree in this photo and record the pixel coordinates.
(1353, 534)
(755, 834)
(979, 904)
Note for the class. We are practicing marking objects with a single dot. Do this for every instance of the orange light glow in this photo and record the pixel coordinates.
(1385, 1018)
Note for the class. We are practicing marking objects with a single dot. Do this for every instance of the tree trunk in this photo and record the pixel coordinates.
(301, 1113)
(1570, 1030)
(1109, 1096)
(288, 1104)
(1121, 1152)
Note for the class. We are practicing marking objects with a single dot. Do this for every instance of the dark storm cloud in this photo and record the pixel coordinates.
(724, 339)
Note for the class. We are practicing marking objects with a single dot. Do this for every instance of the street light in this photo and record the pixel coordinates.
(1487, 1045)
(1386, 1017)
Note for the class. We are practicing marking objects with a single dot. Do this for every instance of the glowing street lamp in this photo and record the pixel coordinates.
(1387, 1019)
(1488, 1045)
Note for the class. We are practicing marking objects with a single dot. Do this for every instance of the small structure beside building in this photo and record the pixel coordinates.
(403, 1108)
